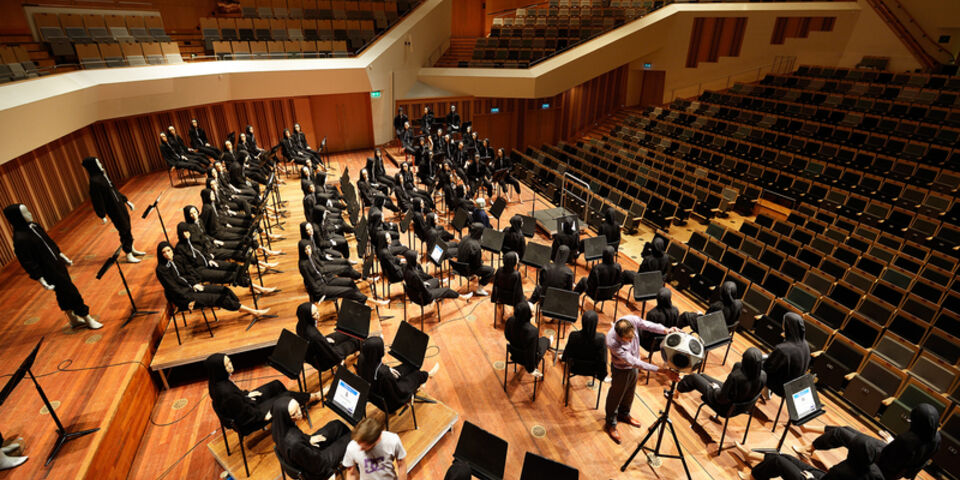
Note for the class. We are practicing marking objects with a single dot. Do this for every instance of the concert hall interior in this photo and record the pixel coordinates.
(494, 239)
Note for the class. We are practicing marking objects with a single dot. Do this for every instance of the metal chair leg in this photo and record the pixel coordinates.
(225, 442)
(723, 435)
(506, 363)
(413, 411)
(777, 419)
(697, 414)
(243, 452)
(206, 322)
(176, 329)
(599, 389)
(749, 420)
(566, 388)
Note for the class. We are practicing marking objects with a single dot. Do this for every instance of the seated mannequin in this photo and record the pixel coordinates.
(789, 359)
(523, 337)
(657, 260)
(744, 382)
(470, 253)
(557, 275)
(422, 288)
(586, 350)
(317, 456)
(396, 385)
(324, 352)
(604, 274)
(188, 292)
(859, 465)
(507, 283)
(513, 239)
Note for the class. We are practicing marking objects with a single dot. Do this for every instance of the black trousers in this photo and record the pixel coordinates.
(332, 450)
(836, 437)
(784, 466)
(270, 391)
(68, 297)
(217, 296)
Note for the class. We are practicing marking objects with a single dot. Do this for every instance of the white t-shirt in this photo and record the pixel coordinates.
(376, 463)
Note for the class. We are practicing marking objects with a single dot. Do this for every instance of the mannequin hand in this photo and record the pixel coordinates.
(394, 372)
(214, 264)
(808, 475)
(268, 416)
(218, 243)
(231, 212)
(191, 305)
(316, 440)
(43, 282)
(254, 394)
(66, 259)
(104, 220)
(198, 287)
(330, 340)
(206, 144)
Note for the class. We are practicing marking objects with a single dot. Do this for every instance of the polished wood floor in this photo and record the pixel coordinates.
(470, 351)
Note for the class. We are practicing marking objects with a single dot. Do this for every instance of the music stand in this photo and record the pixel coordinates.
(536, 255)
(593, 248)
(362, 236)
(492, 241)
(563, 306)
(353, 319)
(528, 225)
(536, 467)
(496, 210)
(410, 345)
(803, 403)
(154, 206)
(484, 452)
(645, 287)
(347, 396)
(63, 436)
(288, 356)
(460, 220)
(713, 333)
(103, 270)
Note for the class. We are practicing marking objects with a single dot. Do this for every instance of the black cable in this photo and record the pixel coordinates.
(188, 452)
(64, 364)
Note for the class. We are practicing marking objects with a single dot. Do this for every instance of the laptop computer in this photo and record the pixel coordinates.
(536, 467)
(409, 345)
(561, 304)
(289, 354)
(491, 240)
(354, 319)
(593, 247)
(646, 285)
(485, 452)
(536, 255)
(713, 330)
(460, 219)
(437, 252)
(529, 226)
(347, 396)
(497, 208)
(803, 402)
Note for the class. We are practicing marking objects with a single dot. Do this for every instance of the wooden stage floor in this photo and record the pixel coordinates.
(171, 426)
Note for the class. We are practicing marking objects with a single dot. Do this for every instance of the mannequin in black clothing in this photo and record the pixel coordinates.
(370, 191)
(317, 456)
(507, 283)
(191, 259)
(610, 228)
(504, 162)
(859, 465)
(326, 254)
(185, 151)
(395, 384)
(453, 119)
(378, 172)
(420, 287)
(233, 161)
(513, 239)
(174, 159)
(399, 121)
(665, 314)
(470, 253)
(658, 259)
(458, 471)
(435, 232)
(199, 141)
(318, 285)
(250, 410)
(791, 358)
(43, 261)
(324, 352)
(300, 140)
(426, 121)
(569, 236)
(186, 291)
(251, 142)
(728, 304)
(214, 224)
(603, 274)
(108, 202)
(483, 148)
(744, 382)
(288, 145)
(586, 351)
(557, 274)
(220, 249)
(902, 457)
(523, 336)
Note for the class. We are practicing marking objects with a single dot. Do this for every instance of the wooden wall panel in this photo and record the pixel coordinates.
(799, 27)
(715, 37)
(51, 181)
(467, 18)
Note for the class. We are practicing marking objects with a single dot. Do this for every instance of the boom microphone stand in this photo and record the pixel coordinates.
(661, 424)
(103, 270)
(154, 206)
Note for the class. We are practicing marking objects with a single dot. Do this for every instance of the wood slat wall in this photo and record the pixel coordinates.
(51, 182)
(522, 122)
(799, 27)
(715, 37)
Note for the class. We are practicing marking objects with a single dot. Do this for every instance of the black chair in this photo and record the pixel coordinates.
(514, 352)
(226, 423)
(286, 468)
(422, 303)
(462, 270)
(574, 368)
(603, 294)
(736, 409)
(172, 307)
(378, 401)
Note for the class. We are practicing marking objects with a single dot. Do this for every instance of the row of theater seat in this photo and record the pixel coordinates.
(356, 33)
(62, 30)
(314, 9)
(127, 54)
(279, 50)
(15, 64)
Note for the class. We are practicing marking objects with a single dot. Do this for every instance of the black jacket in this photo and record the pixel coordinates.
(38, 254)
(791, 358)
(107, 200)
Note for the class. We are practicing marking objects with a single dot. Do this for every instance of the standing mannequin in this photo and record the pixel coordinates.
(44, 262)
(109, 202)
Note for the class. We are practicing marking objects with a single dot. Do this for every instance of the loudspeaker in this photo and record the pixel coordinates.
(682, 352)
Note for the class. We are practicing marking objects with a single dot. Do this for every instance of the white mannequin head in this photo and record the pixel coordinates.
(193, 214)
(27, 216)
(309, 229)
(167, 253)
(293, 408)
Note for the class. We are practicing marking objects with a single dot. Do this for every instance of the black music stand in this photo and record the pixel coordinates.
(803, 403)
(593, 248)
(410, 345)
(496, 210)
(536, 467)
(484, 452)
(289, 355)
(528, 225)
(353, 320)
(536, 255)
(154, 206)
(459, 221)
(63, 436)
(347, 396)
(103, 270)
(645, 287)
(492, 241)
(713, 333)
(563, 306)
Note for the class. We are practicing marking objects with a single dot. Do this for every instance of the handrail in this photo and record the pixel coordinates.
(728, 76)
(506, 11)
(923, 33)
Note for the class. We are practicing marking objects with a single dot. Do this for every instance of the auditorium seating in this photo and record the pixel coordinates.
(869, 257)
(64, 31)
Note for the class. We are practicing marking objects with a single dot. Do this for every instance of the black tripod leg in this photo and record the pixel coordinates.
(640, 445)
(676, 442)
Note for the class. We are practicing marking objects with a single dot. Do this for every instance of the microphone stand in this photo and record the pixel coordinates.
(154, 206)
(103, 269)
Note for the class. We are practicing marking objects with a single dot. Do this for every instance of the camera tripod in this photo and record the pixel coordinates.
(660, 425)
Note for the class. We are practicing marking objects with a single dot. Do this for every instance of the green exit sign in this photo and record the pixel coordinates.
(375, 94)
